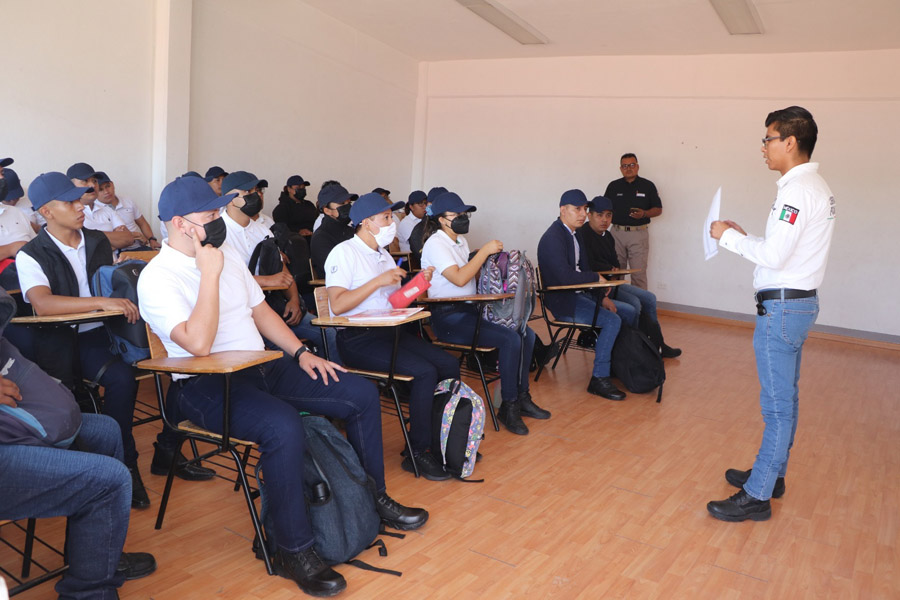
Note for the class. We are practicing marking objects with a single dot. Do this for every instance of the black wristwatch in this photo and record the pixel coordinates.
(300, 351)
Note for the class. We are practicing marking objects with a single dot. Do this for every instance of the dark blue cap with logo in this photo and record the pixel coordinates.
(296, 180)
(213, 172)
(450, 202)
(47, 187)
(82, 171)
(14, 189)
(240, 180)
(370, 205)
(334, 193)
(417, 197)
(573, 197)
(188, 195)
(600, 203)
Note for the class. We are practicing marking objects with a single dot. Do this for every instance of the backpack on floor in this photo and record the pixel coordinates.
(637, 363)
(503, 273)
(457, 420)
(339, 497)
(129, 340)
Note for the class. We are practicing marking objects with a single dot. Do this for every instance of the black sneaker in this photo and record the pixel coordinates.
(139, 497)
(527, 407)
(135, 565)
(393, 514)
(511, 417)
(429, 467)
(740, 507)
(162, 459)
(739, 478)
(603, 386)
(669, 351)
(308, 571)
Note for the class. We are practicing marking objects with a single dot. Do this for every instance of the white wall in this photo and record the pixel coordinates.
(77, 80)
(279, 88)
(511, 135)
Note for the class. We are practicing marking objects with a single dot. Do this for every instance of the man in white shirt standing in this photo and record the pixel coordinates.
(202, 299)
(790, 264)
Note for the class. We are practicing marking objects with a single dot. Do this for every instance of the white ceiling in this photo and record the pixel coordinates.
(435, 30)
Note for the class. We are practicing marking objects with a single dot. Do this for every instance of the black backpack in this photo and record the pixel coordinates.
(129, 340)
(266, 260)
(637, 363)
(296, 249)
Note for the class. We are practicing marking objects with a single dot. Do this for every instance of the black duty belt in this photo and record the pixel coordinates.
(779, 294)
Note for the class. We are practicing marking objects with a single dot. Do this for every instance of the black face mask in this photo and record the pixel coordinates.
(343, 214)
(252, 204)
(300, 194)
(460, 224)
(215, 232)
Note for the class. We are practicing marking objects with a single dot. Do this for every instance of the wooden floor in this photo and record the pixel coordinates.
(607, 499)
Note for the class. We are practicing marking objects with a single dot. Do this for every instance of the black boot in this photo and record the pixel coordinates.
(654, 332)
(603, 386)
(527, 407)
(510, 415)
(739, 478)
(139, 497)
(162, 458)
(134, 565)
(393, 514)
(309, 572)
(740, 507)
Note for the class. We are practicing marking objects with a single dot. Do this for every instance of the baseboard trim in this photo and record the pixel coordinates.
(824, 332)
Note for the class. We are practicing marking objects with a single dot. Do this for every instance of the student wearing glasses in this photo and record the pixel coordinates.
(447, 251)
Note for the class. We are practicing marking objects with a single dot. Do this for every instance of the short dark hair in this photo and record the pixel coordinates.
(632, 155)
(798, 122)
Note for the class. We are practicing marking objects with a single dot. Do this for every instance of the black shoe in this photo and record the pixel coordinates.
(139, 497)
(308, 571)
(603, 386)
(740, 507)
(739, 478)
(429, 467)
(135, 565)
(527, 408)
(189, 472)
(393, 514)
(510, 415)
(669, 351)
(548, 353)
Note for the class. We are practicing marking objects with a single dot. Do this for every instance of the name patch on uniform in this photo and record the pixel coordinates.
(788, 214)
(640, 195)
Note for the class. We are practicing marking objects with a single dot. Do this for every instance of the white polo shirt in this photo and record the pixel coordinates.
(32, 275)
(245, 239)
(168, 289)
(15, 225)
(127, 211)
(352, 264)
(101, 217)
(265, 220)
(794, 252)
(404, 230)
(442, 252)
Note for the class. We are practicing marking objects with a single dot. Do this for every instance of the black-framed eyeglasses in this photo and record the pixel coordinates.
(629, 165)
(766, 140)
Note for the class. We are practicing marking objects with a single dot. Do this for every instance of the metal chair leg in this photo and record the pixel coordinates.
(412, 457)
(487, 392)
(254, 516)
(169, 479)
(29, 548)
(244, 460)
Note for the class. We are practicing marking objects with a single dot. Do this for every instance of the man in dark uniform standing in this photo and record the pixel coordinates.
(635, 201)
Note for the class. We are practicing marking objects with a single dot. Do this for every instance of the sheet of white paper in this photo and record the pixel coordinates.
(710, 245)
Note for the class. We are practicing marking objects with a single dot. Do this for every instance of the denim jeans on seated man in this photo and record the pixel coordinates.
(87, 483)
(778, 344)
(640, 301)
(305, 330)
(609, 322)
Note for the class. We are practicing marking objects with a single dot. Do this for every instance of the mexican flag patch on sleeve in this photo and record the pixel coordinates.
(788, 214)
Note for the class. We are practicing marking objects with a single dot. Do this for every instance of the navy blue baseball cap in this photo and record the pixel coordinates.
(188, 195)
(450, 202)
(192, 174)
(213, 172)
(600, 203)
(296, 180)
(335, 193)
(5, 162)
(382, 191)
(53, 186)
(434, 192)
(14, 189)
(102, 178)
(416, 197)
(240, 180)
(81, 171)
(370, 205)
(573, 197)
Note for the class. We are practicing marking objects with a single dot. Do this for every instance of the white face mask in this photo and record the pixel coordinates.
(386, 235)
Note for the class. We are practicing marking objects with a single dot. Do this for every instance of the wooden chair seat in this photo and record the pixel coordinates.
(462, 347)
(380, 375)
(189, 427)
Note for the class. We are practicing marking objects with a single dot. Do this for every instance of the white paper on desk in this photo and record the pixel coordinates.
(710, 245)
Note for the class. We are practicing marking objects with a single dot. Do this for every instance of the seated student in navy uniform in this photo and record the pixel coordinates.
(200, 298)
(629, 299)
(447, 251)
(563, 261)
(334, 202)
(359, 276)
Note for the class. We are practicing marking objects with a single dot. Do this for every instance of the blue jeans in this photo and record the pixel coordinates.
(456, 324)
(370, 349)
(265, 405)
(90, 486)
(778, 343)
(610, 323)
(637, 301)
(305, 330)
